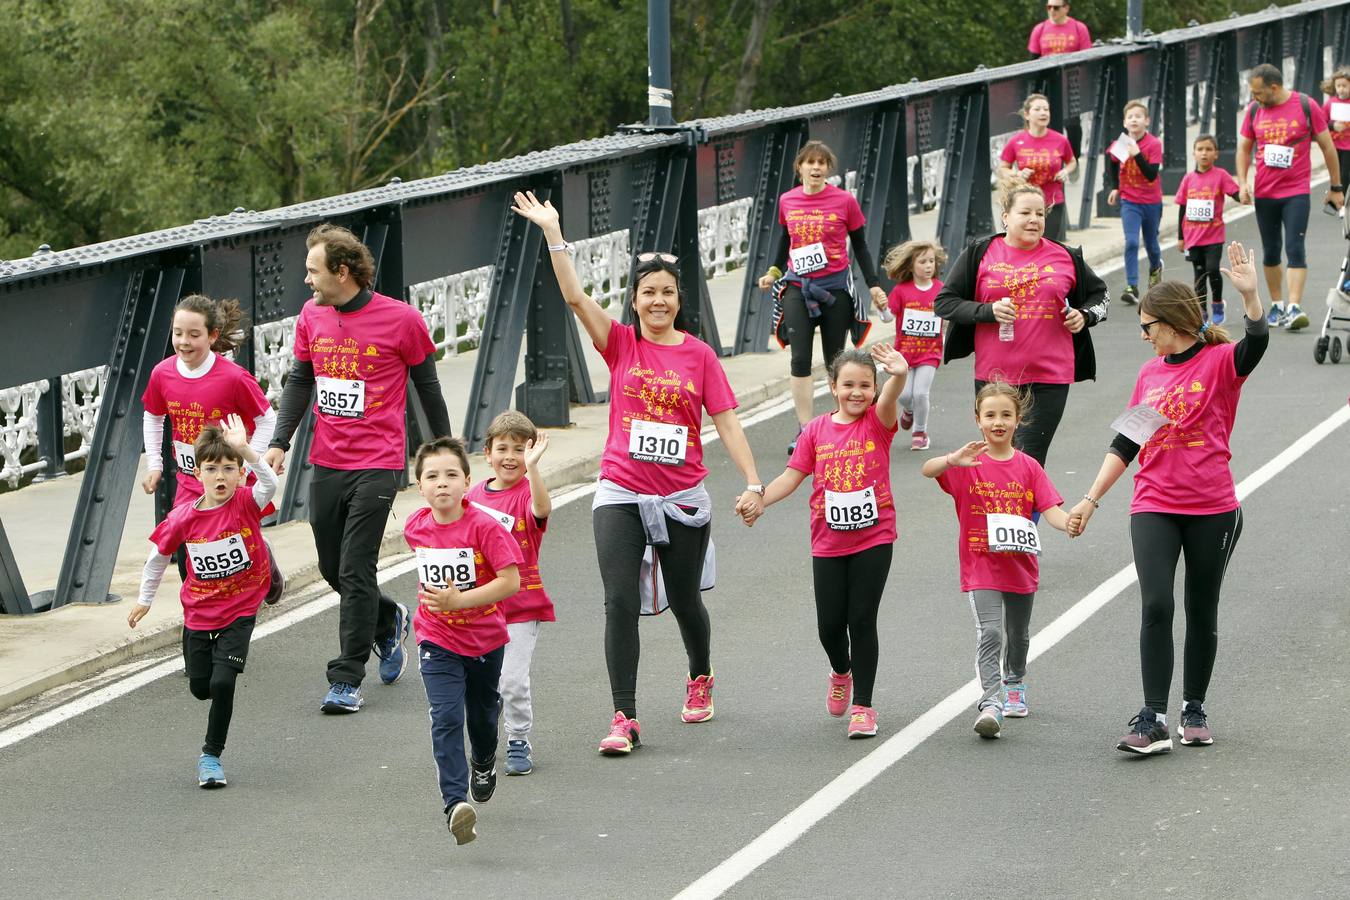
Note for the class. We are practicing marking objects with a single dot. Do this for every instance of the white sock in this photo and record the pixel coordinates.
(1162, 718)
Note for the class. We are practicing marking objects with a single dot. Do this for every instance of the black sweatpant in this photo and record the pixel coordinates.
(834, 322)
(1205, 260)
(1207, 543)
(848, 595)
(347, 512)
(1034, 435)
(213, 661)
(619, 544)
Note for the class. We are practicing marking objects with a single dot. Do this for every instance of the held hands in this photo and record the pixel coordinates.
(765, 282)
(151, 481)
(1079, 516)
(968, 456)
(890, 359)
(534, 451)
(749, 506)
(1242, 271)
(1005, 312)
(1245, 195)
(1062, 175)
(1074, 320)
(878, 298)
(441, 600)
(138, 611)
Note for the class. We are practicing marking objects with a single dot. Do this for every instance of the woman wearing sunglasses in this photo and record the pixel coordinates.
(651, 491)
(1178, 424)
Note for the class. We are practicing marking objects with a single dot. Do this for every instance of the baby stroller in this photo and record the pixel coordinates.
(1338, 309)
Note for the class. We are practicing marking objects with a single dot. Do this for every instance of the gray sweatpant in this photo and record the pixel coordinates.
(1000, 615)
(914, 396)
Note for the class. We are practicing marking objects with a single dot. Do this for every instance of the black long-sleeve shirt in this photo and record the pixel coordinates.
(1147, 169)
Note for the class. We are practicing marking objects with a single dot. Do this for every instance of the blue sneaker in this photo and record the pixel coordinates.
(518, 760)
(1015, 700)
(1276, 315)
(393, 660)
(209, 773)
(342, 698)
(1216, 312)
(1295, 318)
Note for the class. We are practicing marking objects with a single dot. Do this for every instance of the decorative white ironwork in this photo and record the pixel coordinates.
(18, 429)
(724, 236)
(602, 264)
(452, 301)
(273, 347)
(81, 393)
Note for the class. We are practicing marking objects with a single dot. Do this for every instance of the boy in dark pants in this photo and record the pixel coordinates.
(466, 565)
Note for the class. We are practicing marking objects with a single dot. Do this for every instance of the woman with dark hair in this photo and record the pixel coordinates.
(651, 492)
(1177, 424)
(811, 275)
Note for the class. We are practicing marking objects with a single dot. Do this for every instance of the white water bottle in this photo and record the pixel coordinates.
(1005, 329)
(886, 314)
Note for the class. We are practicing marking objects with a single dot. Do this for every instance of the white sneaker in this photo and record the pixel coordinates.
(1295, 318)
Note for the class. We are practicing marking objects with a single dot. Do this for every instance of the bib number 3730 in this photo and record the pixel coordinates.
(344, 399)
(808, 259)
(1012, 534)
(213, 560)
(851, 510)
(441, 566)
(658, 442)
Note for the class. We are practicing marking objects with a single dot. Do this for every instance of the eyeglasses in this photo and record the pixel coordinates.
(1053, 6)
(664, 257)
(1145, 326)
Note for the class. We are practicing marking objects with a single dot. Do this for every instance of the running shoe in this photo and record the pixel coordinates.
(1276, 315)
(698, 702)
(989, 723)
(1216, 312)
(624, 735)
(1129, 296)
(278, 586)
(460, 818)
(209, 773)
(862, 722)
(393, 658)
(836, 699)
(1154, 276)
(792, 447)
(1194, 730)
(906, 419)
(919, 441)
(1147, 735)
(342, 698)
(1295, 319)
(1015, 700)
(482, 780)
(518, 760)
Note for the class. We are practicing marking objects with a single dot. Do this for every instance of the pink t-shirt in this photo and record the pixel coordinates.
(512, 510)
(1183, 468)
(663, 389)
(1208, 190)
(1044, 156)
(361, 363)
(1283, 126)
(228, 570)
(917, 349)
(1039, 281)
(1341, 139)
(1134, 187)
(853, 464)
(1048, 39)
(468, 632)
(825, 218)
(1016, 486)
(191, 403)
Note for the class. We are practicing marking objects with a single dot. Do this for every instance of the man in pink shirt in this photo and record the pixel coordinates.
(1058, 33)
(1282, 125)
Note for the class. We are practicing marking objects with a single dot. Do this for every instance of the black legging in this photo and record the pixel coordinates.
(834, 322)
(219, 689)
(1205, 261)
(1034, 434)
(848, 595)
(1057, 222)
(619, 544)
(1207, 542)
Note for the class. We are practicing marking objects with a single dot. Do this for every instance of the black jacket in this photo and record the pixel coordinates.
(955, 304)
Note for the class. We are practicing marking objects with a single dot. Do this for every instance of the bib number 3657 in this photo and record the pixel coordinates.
(344, 399)
(658, 442)
(1012, 534)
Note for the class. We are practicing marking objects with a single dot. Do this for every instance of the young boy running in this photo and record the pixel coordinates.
(517, 499)
(228, 574)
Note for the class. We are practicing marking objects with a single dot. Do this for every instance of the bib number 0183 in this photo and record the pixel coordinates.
(850, 510)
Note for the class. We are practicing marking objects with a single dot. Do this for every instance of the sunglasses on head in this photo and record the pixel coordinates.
(1053, 6)
(664, 257)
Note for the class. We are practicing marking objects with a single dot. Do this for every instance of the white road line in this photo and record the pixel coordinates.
(788, 829)
(304, 608)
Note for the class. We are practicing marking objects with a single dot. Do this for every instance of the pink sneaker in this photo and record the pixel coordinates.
(906, 419)
(862, 722)
(698, 705)
(622, 737)
(836, 700)
(920, 441)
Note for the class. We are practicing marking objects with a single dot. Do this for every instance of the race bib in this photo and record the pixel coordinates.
(1200, 210)
(1120, 149)
(851, 510)
(1012, 534)
(342, 398)
(1340, 111)
(438, 567)
(214, 560)
(1138, 423)
(658, 442)
(185, 455)
(810, 258)
(920, 323)
(1277, 156)
(506, 520)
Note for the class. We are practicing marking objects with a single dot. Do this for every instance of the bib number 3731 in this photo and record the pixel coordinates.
(1012, 534)
(658, 442)
(920, 323)
(344, 399)
(851, 510)
(438, 567)
(213, 560)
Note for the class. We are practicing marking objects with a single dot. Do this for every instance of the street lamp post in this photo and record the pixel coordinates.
(660, 95)
(1134, 19)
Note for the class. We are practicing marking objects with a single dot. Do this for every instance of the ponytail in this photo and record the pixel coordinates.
(224, 318)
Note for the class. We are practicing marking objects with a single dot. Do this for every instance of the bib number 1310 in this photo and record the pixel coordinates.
(658, 442)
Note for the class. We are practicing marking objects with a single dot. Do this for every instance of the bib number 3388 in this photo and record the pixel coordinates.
(1012, 534)
(344, 399)
(851, 510)
(658, 442)
(438, 567)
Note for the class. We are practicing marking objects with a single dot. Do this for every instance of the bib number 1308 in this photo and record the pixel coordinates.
(438, 567)
(1012, 534)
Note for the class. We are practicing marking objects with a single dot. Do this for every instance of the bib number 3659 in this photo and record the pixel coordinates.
(213, 560)
(344, 399)
(1012, 534)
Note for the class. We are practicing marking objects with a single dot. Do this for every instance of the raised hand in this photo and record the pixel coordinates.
(967, 456)
(892, 362)
(1242, 268)
(234, 432)
(534, 451)
(541, 214)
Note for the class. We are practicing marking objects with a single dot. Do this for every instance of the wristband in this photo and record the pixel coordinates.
(564, 247)
(774, 272)
(1095, 504)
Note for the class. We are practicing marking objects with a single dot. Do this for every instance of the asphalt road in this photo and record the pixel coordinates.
(107, 803)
